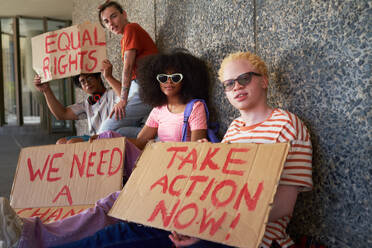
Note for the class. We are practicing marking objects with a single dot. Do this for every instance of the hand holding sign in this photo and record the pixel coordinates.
(180, 240)
(106, 69)
(39, 86)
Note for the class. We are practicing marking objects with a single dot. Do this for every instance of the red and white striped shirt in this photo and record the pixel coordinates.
(281, 126)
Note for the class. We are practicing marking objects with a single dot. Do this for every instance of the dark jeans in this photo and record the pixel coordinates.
(125, 234)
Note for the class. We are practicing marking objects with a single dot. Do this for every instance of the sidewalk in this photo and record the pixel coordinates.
(12, 140)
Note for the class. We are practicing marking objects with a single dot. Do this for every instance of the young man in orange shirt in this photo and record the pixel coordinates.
(129, 113)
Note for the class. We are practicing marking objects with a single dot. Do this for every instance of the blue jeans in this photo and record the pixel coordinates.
(132, 235)
(136, 113)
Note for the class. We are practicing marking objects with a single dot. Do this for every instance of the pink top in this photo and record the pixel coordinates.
(170, 125)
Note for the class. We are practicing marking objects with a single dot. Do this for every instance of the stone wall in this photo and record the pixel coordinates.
(319, 56)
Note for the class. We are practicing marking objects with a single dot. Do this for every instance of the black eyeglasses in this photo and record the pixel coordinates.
(86, 80)
(242, 79)
(175, 77)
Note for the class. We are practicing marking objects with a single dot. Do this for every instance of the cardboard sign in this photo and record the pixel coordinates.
(51, 214)
(217, 192)
(69, 51)
(67, 175)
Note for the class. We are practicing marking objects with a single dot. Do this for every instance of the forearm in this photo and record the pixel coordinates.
(126, 77)
(115, 85)
(198, 134)
(284, 202)
(57, 109)
(144, 136)
(126, 81)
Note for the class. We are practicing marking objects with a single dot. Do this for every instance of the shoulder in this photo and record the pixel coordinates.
(197, 109)
(293, 127)
(235, 125)
(198, 105)
(80, 104)
(110, 94)
(233, 129)
(79, 107)
(132, 27)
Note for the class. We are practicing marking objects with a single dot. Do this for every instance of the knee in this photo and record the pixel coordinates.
(74, 140)
(109, 134)
(61, 141)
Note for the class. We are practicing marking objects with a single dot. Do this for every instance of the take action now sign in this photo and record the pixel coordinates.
(217, 192)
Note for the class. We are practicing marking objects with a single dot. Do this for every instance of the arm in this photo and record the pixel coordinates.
(198, 122)
(107, 74)
(58, 110)
(129, 62)
(284, 202)
(198, 134)
(126, 78)
(147, 133)
(300, 156)
(182, 240)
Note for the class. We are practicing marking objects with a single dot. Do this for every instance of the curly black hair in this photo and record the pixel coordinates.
(77, 83)
(195, 82)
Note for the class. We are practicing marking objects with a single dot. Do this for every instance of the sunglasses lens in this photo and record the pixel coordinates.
(229, 85)
(162, 78)
(244, 79)
(176, 78)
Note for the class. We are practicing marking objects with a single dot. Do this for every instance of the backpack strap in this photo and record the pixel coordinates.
(187, 114)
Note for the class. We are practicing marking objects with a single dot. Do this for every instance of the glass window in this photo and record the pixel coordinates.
(34, 108)
(31, 99)
(55, 25)
(7, 45)
(61, 87)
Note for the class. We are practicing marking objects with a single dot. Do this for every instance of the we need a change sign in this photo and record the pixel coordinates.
(56, 181)
(217, 192)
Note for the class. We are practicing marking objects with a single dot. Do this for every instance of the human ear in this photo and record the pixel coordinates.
(125, 15)
(265, 82)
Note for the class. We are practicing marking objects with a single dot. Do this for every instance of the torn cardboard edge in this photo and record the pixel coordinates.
(173, 210)
(52, 214)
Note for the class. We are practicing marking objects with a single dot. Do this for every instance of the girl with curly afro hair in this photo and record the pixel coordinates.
(167, 82)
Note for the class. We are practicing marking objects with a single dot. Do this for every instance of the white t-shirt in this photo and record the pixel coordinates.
(97, 112)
